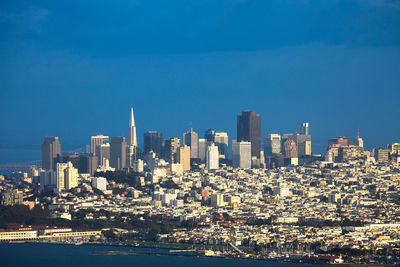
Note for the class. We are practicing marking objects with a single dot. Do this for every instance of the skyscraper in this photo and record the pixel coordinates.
(272, 144)
(87, 163)
(290, 149)
(51, 152)
(183, 157)
(153, 142)
(171, 147)
(102, 153)
(303, 141)
(132, 150)
(241, 154)
(221, 141)
(132, 140)
(60, 175)
(212, 157)
(118, 152)
(97, 140)
(70, 176)
(191, 139)
(202, 148)
(304, 128)
(249, 129)
(209, 135)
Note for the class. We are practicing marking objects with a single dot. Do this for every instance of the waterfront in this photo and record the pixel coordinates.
(28, 254)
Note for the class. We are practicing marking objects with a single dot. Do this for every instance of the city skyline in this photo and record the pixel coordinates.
(244, 132)
(320, 146)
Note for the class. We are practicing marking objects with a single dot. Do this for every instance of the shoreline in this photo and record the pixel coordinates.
(294, 261)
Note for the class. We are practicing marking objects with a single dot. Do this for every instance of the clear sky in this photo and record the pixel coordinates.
(74, 68)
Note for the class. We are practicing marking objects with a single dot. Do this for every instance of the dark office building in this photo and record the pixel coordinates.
(171, 147)
(118, 152)
(153, 141)
(249, 129)
(72, 157)
(209, 135)
(51, 152)
(87, 163)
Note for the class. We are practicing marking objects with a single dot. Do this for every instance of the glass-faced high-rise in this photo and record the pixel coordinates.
(153, 141)
(51, 151)
(191, 139)
(249, 129)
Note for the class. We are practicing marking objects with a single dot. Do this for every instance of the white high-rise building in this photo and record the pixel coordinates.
(241, 154)
(60, 175)
(66, 176)
(71, 176)
(98, 140)
(212, 157)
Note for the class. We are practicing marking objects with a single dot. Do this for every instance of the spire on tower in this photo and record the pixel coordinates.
(132, 140)
(132, 120)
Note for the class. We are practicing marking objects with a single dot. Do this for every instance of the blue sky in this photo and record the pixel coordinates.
(74, 69)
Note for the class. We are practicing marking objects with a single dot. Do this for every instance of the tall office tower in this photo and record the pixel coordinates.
(87, 163)
(303, 141)
(102, 153)
(249, 129)
(183, 157)
(171, 147)
(290, 149)
(304, 128)
(118, 152)
(221, 141)
(132, 140)
(191, 139)
(153, 142)
(212, 157)
(209, 135)
(71, 176)
(98, 140)
(202, 149)
(241, 154)
(341, 141)
(51, 152)
(272, 144)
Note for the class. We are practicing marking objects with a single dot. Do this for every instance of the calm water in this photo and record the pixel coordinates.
(77, 256)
